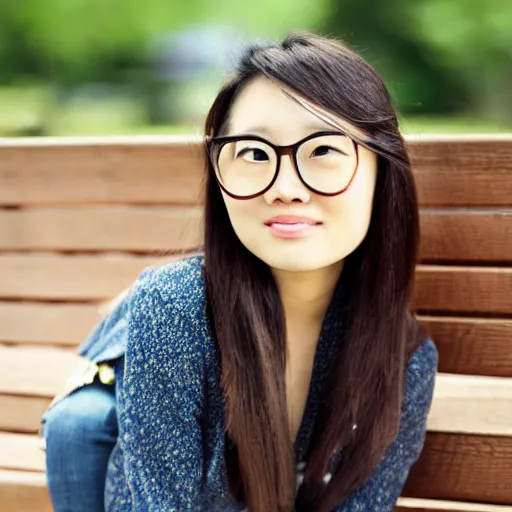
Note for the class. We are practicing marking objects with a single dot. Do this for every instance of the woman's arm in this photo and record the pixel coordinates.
(160, 403)
(382, 491)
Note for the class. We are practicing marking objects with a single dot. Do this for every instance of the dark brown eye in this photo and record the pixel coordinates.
(322, 151)
(257, 154)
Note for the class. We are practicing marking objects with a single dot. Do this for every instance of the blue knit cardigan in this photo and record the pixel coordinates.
(170, 451)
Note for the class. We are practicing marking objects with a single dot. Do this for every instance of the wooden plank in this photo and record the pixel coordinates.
(452, 467)
(24, 491)
(41, 372)
(450, 170)
(46, 324)
(22, 414)
(78, 278)
(418, 505)
(471, 405)
(155, 170)
(466, 235)
(474, 346)
(462, 170)
(21, 452)
(101, 277)
(463, 289)
(447, 235)
(463, 468)
(466, 406)
(103, 228)
(463, 404)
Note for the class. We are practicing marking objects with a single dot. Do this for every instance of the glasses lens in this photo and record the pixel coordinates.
(246, 167)
(327, 163)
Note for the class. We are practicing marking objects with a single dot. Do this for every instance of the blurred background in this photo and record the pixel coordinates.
(106, 67)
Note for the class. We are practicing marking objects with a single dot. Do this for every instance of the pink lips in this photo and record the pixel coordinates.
(291, 226)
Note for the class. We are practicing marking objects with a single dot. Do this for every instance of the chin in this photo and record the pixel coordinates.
(305, 256)
(296, 262)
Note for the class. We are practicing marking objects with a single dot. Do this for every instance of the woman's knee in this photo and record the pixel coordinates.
(88, 415)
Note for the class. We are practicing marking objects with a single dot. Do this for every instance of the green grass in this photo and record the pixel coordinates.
(23, 110)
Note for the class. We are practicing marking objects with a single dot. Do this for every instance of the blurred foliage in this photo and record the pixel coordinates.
(437, 56)
(442, 57)
(76, 40)
(385, 33)
(474, 40)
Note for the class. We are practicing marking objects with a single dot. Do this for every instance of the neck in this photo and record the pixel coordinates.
(307, 295)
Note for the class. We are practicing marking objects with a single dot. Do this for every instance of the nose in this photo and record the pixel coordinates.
(288, 187)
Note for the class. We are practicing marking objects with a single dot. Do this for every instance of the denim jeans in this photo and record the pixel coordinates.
(80, 432)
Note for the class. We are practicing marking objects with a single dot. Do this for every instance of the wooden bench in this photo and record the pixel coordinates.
(79, 219)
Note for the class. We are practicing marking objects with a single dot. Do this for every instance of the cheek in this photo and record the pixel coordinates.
(351, 214)
(241, 215)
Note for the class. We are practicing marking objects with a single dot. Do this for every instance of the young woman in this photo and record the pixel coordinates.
(282, 370)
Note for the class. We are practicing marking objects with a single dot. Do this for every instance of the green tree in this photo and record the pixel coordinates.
(385, 34)
(474, 39)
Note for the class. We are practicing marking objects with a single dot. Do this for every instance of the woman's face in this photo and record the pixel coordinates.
(289, 227)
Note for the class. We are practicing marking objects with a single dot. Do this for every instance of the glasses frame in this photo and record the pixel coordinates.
(290, 150)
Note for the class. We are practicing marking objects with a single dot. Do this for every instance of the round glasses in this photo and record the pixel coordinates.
(247, 166)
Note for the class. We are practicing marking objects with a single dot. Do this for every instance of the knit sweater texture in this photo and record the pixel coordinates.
(170, 451)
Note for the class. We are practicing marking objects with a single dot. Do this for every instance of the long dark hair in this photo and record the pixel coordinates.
(366, 383)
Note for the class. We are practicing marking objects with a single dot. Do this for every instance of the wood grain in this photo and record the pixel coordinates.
(450, 171)
(466, 235)
(462, 404)
(418, 505)
(134, 170)
(21, 414)
(41, 372)
(474, 346)
(452, 467)
(106, 228)
(463, 468)
(449, 235)
(463, 289)
(70, 278)
(24, 491)
(462, 170)
(471, 405)
(101, 277)
(32, 323)
(21, 452)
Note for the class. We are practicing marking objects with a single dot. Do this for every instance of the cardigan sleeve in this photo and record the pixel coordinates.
(383, 489)
(160, 404)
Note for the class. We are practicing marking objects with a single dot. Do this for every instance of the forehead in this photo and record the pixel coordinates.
(266, 107)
